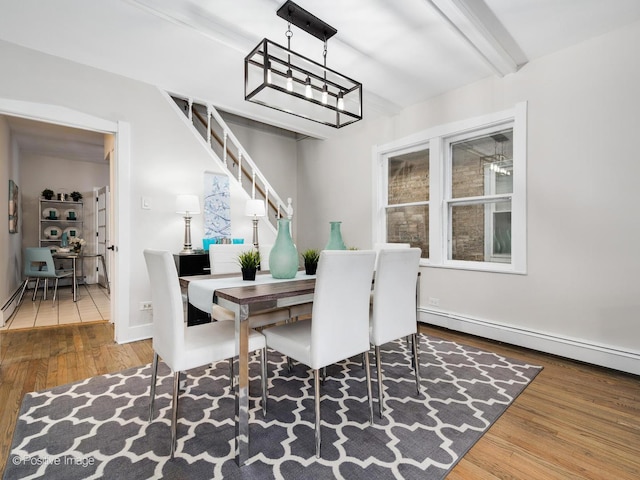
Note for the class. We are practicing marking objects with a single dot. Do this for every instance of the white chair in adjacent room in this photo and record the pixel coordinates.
(181, 347)
(393, 314)
(339, 325)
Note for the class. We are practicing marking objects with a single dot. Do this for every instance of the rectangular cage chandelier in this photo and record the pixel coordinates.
(279, 78)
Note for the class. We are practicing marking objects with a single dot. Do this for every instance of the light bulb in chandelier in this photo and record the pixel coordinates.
(325, 94)
(340, 101)
(268, 67)
(289, 80)
(308, 91)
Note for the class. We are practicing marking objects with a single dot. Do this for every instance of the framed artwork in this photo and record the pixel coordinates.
(217, 210)
(14, 207)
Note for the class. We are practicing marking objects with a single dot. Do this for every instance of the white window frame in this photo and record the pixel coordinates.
(436, 140)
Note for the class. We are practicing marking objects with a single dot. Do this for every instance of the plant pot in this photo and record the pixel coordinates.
(310, 268)
(249, 274)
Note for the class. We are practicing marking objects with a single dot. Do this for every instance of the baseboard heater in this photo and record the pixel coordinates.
(10, 306)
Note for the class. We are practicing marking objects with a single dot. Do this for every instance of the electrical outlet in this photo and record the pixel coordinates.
(434, 301)
(146, 305)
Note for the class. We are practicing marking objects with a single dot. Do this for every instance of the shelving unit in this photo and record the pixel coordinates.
(52, 228)
(68, 217)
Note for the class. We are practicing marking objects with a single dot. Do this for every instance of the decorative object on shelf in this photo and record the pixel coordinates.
(64, 241)
(255, 208)
(310, 258)
(76, 244)
(14, 207)
(283, 259)
(63, 197)
(279, 78)
(76, 196)
(72, 232)
(71, 214)
(187, 205)
(52, 233)
(50, 213)
(48, 193)
(335, 238)
(249, 262)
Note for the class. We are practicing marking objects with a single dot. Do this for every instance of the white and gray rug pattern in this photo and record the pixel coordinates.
(98, 428)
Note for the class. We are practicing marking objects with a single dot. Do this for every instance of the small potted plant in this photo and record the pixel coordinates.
(249, 262)
(47, 193)
(310, 257)
(76, 196)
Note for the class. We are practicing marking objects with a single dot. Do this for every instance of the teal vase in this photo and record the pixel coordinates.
(335, 238)
(283, 259)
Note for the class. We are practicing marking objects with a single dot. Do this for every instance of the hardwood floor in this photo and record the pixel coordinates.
(573, 421)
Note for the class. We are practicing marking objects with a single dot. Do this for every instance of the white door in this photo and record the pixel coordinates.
(102, 227)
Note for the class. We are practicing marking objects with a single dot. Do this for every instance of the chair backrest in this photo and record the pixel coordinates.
(168, 313)
(379, 246)
(38, 262)
(340, 315)
(394, 295)
(223, 258)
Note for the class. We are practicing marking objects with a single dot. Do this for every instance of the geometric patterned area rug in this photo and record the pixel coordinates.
(98, 428)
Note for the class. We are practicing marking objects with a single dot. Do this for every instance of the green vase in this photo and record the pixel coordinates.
(283, 259)
(335, 238)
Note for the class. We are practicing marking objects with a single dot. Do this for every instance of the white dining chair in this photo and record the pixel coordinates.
(223, 258)
(339, 325)
(181, 347)
(393, 314)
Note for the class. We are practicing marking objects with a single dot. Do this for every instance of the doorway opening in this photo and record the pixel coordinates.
(119, 133)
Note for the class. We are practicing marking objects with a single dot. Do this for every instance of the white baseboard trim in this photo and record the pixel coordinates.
(602, 355)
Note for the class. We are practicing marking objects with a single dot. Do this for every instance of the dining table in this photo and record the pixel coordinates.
(243, 298)
(74, 256)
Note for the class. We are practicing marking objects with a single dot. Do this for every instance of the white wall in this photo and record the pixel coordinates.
(11, 258)
(164, 158)
(580, 297)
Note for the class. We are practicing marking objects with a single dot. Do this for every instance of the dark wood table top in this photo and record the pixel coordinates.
(258, 293)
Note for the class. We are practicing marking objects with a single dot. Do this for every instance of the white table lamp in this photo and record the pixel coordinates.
(187, 205)
(255, 208)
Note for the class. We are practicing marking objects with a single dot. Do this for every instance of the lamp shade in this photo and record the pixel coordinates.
(187, 204)
(254, 207)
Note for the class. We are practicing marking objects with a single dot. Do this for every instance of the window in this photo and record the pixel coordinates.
(458, 192)
(407, 209)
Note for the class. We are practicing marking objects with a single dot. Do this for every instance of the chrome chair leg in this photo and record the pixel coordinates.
(174, 412)
(369, 393)
(35, 290)
(316, 386)
(55, 291)
(154, 376)
(416, 362)
(231, 372)
(24, 287)
(379, 373)
(264, 381)
(46, 289)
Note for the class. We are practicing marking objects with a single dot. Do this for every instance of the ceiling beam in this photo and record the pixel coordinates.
(477, 24)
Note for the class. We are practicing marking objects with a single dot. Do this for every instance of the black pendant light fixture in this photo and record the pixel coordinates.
(279, 78)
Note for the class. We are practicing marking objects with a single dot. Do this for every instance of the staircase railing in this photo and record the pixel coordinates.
(214, 130)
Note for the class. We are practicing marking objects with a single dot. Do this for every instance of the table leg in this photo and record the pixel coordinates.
(74, 282)
(242, 385)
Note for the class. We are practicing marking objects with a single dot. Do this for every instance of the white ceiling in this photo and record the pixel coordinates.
(402, 51)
